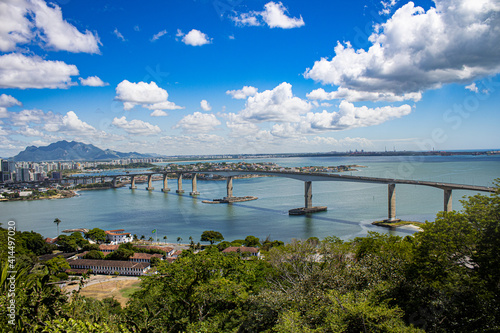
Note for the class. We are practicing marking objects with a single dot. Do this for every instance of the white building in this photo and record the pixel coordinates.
(118, 236)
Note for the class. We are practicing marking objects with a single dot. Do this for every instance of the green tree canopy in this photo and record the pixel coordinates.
(97, 235)
(93, 254)
(211, 236)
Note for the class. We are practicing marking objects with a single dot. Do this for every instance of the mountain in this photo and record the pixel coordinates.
(71, 151)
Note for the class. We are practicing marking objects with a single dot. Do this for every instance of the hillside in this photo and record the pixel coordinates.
(71, 151)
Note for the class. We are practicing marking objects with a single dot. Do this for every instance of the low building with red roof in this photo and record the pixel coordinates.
(245, 250)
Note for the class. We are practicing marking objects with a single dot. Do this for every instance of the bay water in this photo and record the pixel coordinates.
(352, 207)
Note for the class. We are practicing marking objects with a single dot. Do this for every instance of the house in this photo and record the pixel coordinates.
(110, 266)
(245, 250)
(168, 250)
(118, 236)
(108, 248)
(144, 257)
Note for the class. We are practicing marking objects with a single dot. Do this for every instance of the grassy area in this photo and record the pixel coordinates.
(127, 292)
(119, 289)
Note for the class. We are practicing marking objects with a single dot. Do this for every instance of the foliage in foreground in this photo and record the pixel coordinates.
(445, 279)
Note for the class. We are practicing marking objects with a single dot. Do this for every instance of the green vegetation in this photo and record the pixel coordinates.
(104, 185)
(96, 234)
(444, 279)
(211, 236)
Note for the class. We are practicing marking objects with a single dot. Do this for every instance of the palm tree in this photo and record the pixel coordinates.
(57, 221)
(165, 238)
(179, 239)
(142, 237)
(150, 239)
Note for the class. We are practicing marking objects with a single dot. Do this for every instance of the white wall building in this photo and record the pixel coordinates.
(118, 236)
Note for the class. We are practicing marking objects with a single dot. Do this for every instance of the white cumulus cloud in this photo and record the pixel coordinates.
(158, 113)
(456, 41)
(148, 95)
(472, 87)
(277, 105)
(347, 117)
(20, 71)
(194, 38)
(135, 126)
(93, 81)
(274, 15)
(242, 93)
(25, 21)
(357, 96)
(8, 101)
(205, 106)
(198, 123)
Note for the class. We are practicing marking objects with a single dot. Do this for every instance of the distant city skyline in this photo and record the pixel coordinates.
(238, 77)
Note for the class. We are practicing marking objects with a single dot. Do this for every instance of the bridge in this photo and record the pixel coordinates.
(307, 178)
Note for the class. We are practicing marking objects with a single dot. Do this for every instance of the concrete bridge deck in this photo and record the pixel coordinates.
(307, 178)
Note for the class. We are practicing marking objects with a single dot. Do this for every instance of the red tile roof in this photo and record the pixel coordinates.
(241, 249)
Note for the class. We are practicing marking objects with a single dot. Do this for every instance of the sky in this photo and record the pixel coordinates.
(197, 77)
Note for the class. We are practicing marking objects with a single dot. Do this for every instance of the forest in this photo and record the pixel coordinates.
(443, 279)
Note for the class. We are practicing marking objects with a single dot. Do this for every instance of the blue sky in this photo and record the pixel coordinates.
(234, 76)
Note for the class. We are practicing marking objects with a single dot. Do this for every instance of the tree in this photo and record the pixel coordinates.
(143, 237)
(93, 254)
(120, 254)
(90, 247)
(179, 239)
(57, 265)
(150, 239)
(57, 221)
(67, 244)
(211, 236)
(165, 238)
(97, 235)
(252, 241)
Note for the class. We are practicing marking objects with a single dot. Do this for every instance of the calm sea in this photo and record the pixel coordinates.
(351, 206)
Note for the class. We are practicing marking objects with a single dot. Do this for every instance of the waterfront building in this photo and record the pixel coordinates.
(118, 236)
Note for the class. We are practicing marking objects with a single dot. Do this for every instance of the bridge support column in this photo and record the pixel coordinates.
(229, 186)
(165, 183)
(391, 203)
(132, 183)
(113, 182)
(179, 184)
(308, 194)
(447, 200)
(194, 185)
(308, 207)
(150, 183)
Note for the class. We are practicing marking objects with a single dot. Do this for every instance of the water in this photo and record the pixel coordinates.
(351, 206)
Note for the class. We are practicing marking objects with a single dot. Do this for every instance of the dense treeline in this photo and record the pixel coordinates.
(444, 279)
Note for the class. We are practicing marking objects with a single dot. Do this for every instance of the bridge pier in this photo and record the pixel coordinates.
(132, 183)
(308, 194)
(194, 185)
(308, 207)
(165, 183)
(150, 183)
(391, 203)
(447, 200)
(179, 184)
(113, 182)
(229, 187)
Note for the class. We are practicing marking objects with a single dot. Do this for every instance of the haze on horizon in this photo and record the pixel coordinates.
(231, 76)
